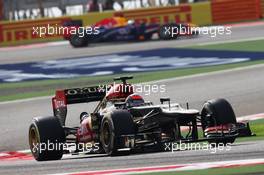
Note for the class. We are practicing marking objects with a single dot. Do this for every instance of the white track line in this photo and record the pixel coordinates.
(26, 100)
(251, 117)
(152, 82)
(179, 167)
(229, 41)
(205, 74)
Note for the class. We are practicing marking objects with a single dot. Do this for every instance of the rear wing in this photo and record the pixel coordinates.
(66, 97)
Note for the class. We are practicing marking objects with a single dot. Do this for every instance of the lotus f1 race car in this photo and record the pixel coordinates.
(120, 29)
(123, 121)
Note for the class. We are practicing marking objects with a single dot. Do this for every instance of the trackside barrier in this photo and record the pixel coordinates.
(202, 13)
(224, 11)
(22, 32)
(15, 33)
(1, 10)
(197, 13)
(262, 8)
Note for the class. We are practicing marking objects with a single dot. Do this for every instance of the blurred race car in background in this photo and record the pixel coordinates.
(120, 29)
(123, 121)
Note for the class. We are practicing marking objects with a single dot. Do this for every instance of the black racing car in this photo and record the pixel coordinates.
(123, 121)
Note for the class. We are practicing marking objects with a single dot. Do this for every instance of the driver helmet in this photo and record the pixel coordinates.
(131, 22)
(83, 115)
(134, 100)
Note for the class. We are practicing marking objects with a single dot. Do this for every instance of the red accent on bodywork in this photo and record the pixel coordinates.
(13, 155)
(112, 22)
(136, 97)
(84, 132)
(225, 127)
(108, 23)
(59, 100)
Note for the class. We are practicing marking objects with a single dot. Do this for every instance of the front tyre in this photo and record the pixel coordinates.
(115, 125)
(218, 112)
(78, 41)
(46, 138)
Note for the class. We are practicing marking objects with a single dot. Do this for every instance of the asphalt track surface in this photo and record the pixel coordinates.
(242, 87)
(23, 54)
(91, 162)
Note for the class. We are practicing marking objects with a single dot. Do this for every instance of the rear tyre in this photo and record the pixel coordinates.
(78, 41)
(148, 37)
(46, 138)
(113, 126)
(218, 112)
